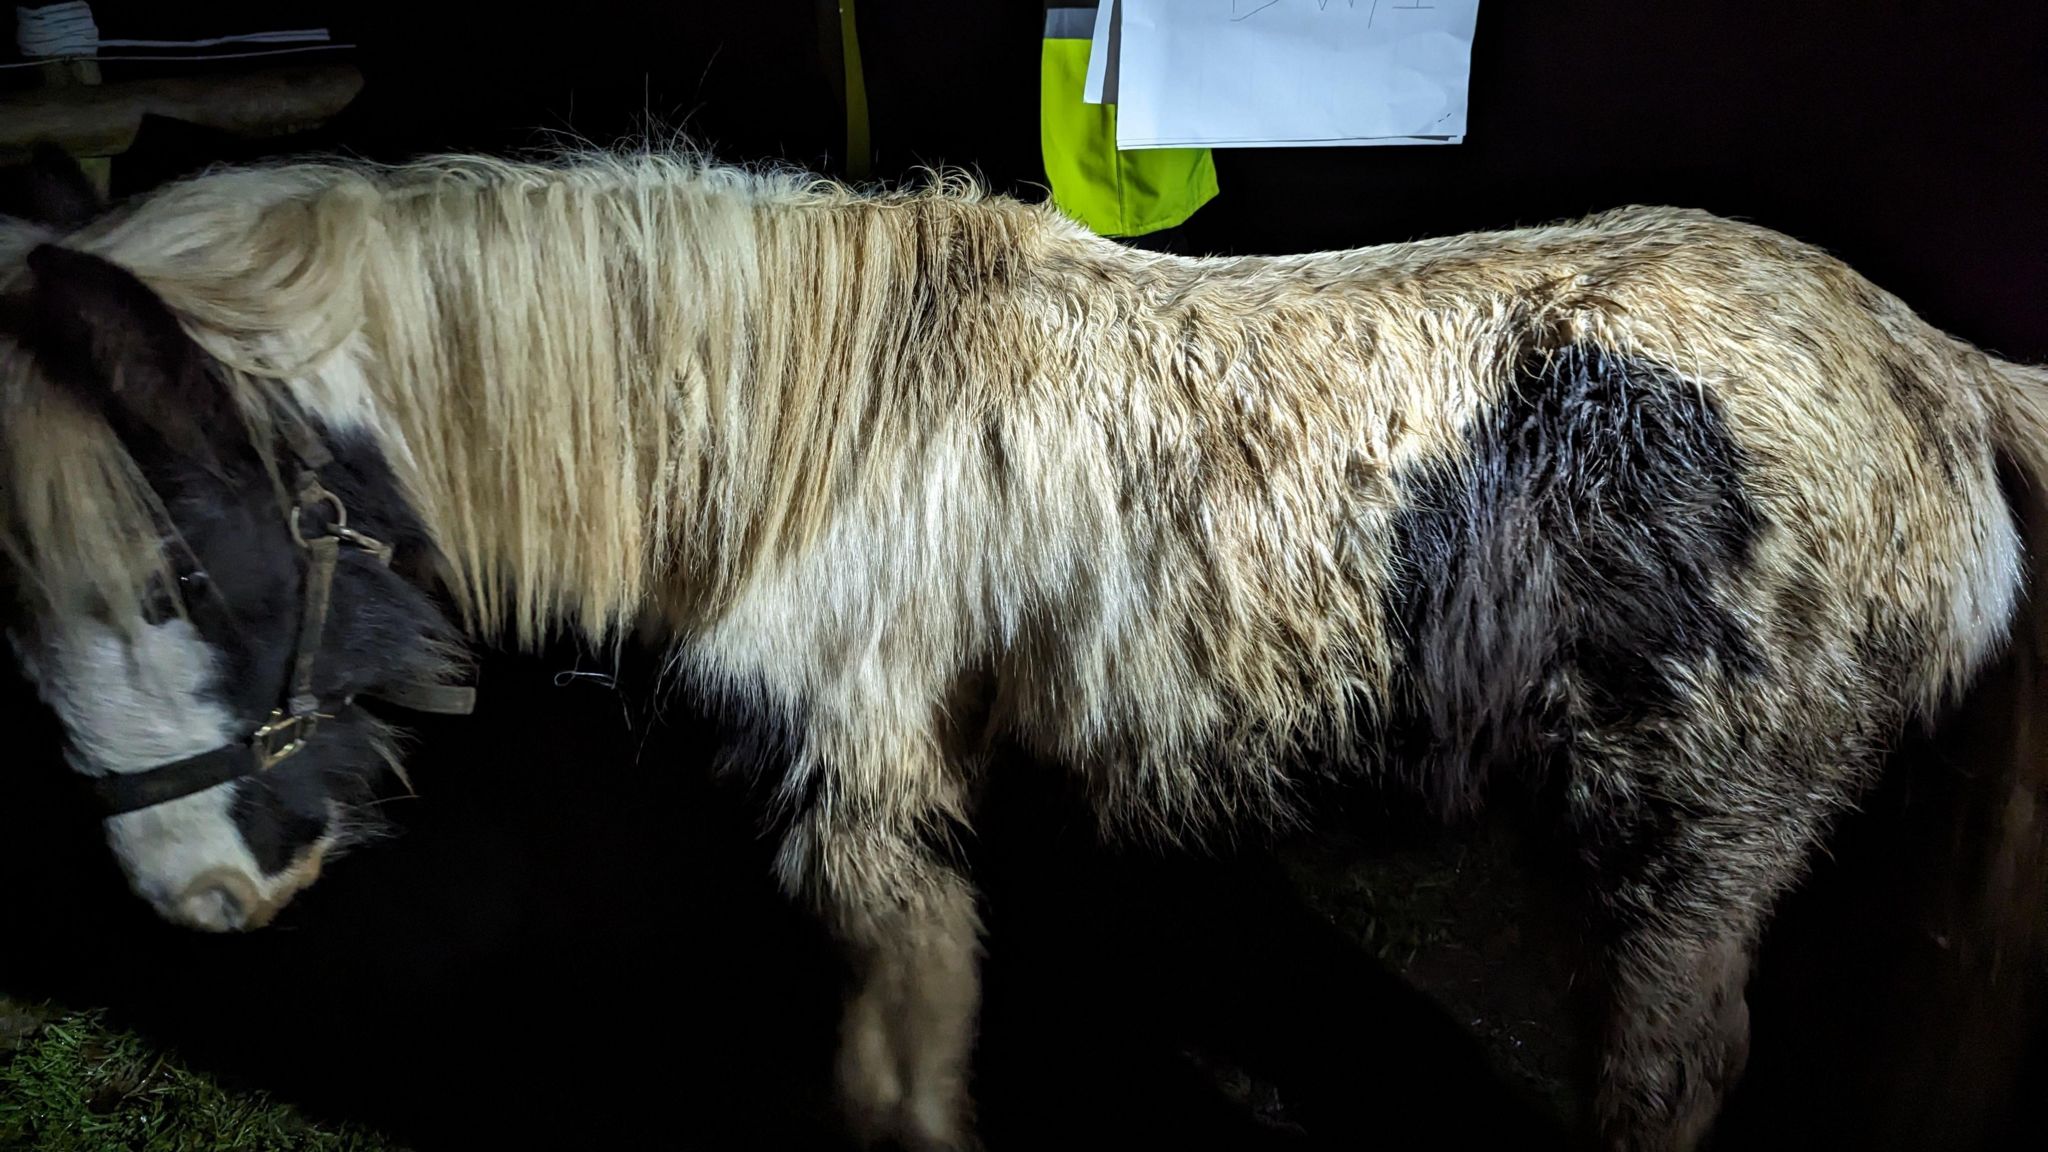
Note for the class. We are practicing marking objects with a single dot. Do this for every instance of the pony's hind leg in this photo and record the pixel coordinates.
(905, 914)
(1689, 858)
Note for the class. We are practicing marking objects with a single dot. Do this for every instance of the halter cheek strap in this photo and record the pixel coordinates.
(298, 716)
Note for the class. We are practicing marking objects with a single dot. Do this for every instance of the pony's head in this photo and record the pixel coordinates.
(209, 578)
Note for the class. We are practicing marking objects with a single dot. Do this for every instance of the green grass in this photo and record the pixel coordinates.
(72, 1082)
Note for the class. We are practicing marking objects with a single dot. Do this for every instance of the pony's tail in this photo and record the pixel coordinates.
(2022, 399)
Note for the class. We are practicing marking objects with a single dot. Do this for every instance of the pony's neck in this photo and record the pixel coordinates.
(635, 387)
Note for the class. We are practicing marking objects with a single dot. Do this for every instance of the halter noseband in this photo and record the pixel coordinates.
(319, 526)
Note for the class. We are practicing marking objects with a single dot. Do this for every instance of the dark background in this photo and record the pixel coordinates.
(573, 938)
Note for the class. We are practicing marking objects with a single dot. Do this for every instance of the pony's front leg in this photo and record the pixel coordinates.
(906, 917)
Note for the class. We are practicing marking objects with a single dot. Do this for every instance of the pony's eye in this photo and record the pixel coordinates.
(158, 605)
(161, 600)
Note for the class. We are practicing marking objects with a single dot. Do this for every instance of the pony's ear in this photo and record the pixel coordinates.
(103, 335)
(51, 190)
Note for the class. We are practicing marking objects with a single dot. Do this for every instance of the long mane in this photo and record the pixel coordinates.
(600, 316)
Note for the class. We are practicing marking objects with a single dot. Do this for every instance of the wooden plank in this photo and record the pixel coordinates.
(102, 119)
(64, 73)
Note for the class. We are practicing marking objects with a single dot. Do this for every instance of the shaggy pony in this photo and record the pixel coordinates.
(1678, 510)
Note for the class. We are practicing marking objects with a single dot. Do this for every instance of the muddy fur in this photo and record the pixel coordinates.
(1676, 510)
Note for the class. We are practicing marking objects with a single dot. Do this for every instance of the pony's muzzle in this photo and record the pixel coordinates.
(216, 902)
(225, 900)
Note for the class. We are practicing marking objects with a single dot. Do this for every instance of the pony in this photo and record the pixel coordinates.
(1674, 511)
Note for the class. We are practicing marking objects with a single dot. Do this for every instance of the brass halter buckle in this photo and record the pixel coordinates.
(282, 736)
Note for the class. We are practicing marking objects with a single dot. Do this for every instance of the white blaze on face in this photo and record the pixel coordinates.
(133, 702)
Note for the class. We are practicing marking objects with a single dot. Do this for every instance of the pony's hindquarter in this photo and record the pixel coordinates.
(1684, 512)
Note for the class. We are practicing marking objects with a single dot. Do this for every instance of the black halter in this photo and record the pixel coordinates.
(319, 524)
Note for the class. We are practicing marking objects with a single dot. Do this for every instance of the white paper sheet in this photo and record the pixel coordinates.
(1293, 73)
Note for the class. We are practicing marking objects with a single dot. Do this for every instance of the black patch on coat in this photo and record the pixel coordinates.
(756, 747)
(1578, 536)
